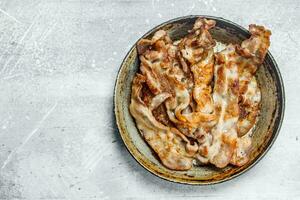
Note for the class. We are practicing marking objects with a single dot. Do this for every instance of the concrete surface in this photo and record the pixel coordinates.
(58, 63)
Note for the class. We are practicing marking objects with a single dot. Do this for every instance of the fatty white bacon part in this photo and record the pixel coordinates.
(172, 147)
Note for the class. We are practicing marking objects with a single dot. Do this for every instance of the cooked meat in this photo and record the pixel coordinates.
(175, 108)
(196, 55)
(224, 136)
(173, 148)
(252, 53)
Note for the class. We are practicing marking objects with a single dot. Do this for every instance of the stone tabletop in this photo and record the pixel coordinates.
(58, 64)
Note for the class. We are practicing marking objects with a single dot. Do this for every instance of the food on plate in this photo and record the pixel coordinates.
(195, 100)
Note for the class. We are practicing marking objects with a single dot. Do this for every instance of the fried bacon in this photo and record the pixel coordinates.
(196, 57)
(225, 146)
(175, 108)
(172, 147)
(161, 65)
(252, 53)
(197, 50)
(225, 97)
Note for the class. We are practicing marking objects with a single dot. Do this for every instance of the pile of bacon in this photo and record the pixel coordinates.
(193, 105)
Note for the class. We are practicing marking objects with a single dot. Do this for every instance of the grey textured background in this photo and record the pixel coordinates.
(58, 63)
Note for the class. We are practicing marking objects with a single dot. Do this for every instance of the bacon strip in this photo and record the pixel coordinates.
(237, 109)
(196, 57)
(252, 53)
(172, 147)
(225, 96)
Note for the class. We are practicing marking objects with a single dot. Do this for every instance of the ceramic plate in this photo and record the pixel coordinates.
(265, 133)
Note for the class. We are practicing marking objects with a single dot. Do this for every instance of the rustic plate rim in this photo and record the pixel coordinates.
(275, 133)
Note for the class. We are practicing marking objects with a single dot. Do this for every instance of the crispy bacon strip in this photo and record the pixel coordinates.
(252, 53)
(172, 147)
(224, 135)
(197, 49)
(196, 56)
(235, 71)
(164, 74)
(156, 56)
(194, 45)
(203, 74)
